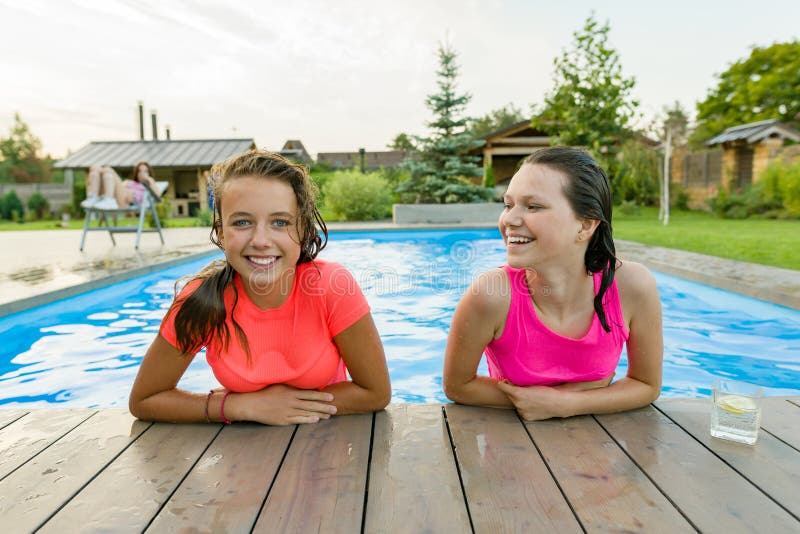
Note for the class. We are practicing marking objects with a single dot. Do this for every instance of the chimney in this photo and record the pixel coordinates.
(155, 124)
(141, 120)
(168, 136)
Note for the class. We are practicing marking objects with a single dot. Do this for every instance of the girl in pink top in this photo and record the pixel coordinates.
(281, 329)
(553, 321)
(106, 190)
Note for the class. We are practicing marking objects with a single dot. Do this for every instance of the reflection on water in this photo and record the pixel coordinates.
(85, 350)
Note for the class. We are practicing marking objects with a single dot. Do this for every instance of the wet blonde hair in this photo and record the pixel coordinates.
(201, 315)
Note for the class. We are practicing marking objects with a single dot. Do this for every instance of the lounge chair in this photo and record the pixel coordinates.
(151, 198)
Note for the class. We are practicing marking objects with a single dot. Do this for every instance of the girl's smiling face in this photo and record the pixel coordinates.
(260, 236)
(538, 223)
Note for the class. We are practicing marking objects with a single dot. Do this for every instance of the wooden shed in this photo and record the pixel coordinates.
(747, 149)
(184, 163)
(505, 148)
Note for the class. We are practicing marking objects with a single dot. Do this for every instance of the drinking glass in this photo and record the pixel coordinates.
(736, 413)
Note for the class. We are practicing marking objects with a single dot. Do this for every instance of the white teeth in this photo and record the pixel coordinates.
(263, 261)
(519, 240)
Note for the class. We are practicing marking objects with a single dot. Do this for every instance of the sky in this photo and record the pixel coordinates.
(338, 75)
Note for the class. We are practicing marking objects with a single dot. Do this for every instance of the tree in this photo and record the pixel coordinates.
(441, 168)
(496, 119)
(672, 133)
(402, 141)
(675, 122)
(590, 104)
(19, 160)
(766, 85)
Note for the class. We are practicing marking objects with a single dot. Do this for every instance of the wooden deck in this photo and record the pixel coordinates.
(411, 468)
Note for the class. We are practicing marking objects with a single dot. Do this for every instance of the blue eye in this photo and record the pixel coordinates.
(281, 223)
(240, 222)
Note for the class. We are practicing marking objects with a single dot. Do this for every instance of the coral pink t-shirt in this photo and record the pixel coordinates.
(292, 344)
(528, 353)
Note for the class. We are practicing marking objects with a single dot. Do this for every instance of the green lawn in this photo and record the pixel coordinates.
(769, 242)
(78, 224)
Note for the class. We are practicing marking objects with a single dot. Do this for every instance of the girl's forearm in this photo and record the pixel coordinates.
(350, 398)
(624, 394)
(480, 391)
(176, 406)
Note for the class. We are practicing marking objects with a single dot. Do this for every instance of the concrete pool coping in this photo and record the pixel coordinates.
(38, 267)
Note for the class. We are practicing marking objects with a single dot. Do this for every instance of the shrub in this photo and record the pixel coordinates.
(394, 176)
(678, 197)
(752, 201)
(775, 196)
(38, 205)
(352, 196)
(320, 179)
(12, 207)
(637, 176)
(204, 217)
(164, 210)
(783, 183)
(629, 207)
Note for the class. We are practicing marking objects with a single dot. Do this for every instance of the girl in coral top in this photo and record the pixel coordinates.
(281, 329)
(553, 321)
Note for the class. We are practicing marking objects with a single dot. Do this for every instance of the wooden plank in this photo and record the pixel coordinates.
(320, 487)
(127, 494)
(605, 488)
(781, 418)
(225, 490)
(23, 439)
(507, 484)
(9, 416)
(771, 464)
(413, 480)
(29, 495)
(709, 492)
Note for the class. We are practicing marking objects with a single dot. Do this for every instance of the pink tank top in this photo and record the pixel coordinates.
(529, 353)
(137, 189)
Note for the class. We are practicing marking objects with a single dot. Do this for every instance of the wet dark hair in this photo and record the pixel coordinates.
(201, 316)
(588, 192)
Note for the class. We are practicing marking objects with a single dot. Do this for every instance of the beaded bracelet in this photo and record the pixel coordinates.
(222, 409)
(208, 399)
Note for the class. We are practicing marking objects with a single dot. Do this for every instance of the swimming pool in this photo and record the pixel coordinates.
(85, 350)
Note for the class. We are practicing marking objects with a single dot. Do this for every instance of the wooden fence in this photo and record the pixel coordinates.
(57, 195)
(697, 169)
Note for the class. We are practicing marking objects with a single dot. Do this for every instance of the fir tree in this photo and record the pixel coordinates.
(441, 168)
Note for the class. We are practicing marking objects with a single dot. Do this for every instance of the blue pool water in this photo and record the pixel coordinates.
(85, 350)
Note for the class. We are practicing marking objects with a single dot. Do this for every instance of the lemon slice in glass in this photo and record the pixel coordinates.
(737, 404)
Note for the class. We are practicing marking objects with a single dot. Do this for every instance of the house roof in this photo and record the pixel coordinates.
(174, 153)
(754, 132)
(510, 130)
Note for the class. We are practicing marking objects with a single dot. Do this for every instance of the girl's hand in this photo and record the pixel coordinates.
(534, 403)
(280, 404)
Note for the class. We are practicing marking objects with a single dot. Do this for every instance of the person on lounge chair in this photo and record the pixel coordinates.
(105, 190)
